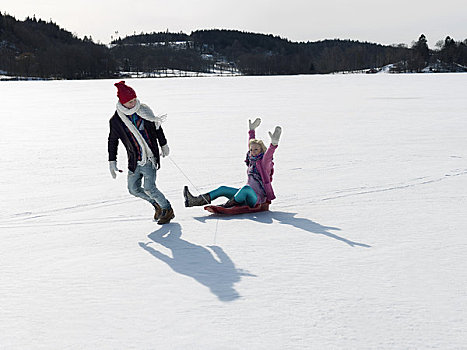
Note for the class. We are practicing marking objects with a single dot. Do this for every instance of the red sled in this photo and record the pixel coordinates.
(244, 209)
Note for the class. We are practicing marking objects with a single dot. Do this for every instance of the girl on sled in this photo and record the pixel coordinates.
(258, 190)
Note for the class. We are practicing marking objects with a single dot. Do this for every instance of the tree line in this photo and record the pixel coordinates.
(267, 54)
(35, 48)
(451, 56)
(42, 49)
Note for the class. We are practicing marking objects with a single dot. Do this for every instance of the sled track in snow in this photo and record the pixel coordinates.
(367, 190)
(105, 220)
(416, 182)
(32, 218)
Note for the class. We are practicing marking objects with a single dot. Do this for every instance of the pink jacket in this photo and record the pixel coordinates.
(265, 168)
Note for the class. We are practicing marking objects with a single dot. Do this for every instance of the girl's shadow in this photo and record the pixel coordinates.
(218, 272)
(285, 218)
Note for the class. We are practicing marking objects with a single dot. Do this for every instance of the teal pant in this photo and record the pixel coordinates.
(244, 195)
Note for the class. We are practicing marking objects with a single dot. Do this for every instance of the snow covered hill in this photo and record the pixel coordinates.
(364, 248)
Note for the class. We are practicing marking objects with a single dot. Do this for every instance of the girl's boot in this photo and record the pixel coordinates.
(192, 201)
(230, 203)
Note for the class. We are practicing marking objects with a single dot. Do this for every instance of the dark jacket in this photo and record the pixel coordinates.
(119, 131)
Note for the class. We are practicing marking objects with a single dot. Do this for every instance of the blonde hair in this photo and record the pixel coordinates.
(259, 143)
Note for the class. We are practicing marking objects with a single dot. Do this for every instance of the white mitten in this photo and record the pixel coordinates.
(113, 168)
(255, 124)
(165, 150)
(276, 135)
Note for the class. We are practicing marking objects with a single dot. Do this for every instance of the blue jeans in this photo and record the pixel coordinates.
(244, 195)
(148, 191)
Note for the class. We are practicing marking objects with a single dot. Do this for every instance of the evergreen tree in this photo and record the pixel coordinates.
(420, 54)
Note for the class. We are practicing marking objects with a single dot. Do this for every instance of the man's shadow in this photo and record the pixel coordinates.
(285, 218)
(197, 262)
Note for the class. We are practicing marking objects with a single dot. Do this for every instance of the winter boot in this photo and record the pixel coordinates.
(157, 211)
(230, 203)
(192, 201)
(166, 216)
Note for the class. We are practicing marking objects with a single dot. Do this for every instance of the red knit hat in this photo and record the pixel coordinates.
(124, 93)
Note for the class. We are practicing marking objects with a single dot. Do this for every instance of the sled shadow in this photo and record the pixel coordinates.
(218, 272)
(285, 218)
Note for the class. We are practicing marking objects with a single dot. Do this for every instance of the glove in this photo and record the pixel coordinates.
(255, 124)
(165, 150)
(113, 168)
(276, 136)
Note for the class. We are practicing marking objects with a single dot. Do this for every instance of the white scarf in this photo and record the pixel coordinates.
(146, 113)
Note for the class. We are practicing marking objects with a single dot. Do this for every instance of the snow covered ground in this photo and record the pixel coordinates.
(364, 248)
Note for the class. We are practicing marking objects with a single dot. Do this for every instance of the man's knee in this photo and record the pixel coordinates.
(135, 191)
(149, 188)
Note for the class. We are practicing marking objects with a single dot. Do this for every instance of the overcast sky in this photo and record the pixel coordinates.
(391, 22)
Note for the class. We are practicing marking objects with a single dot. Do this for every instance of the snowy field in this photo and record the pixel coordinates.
(364, 247)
